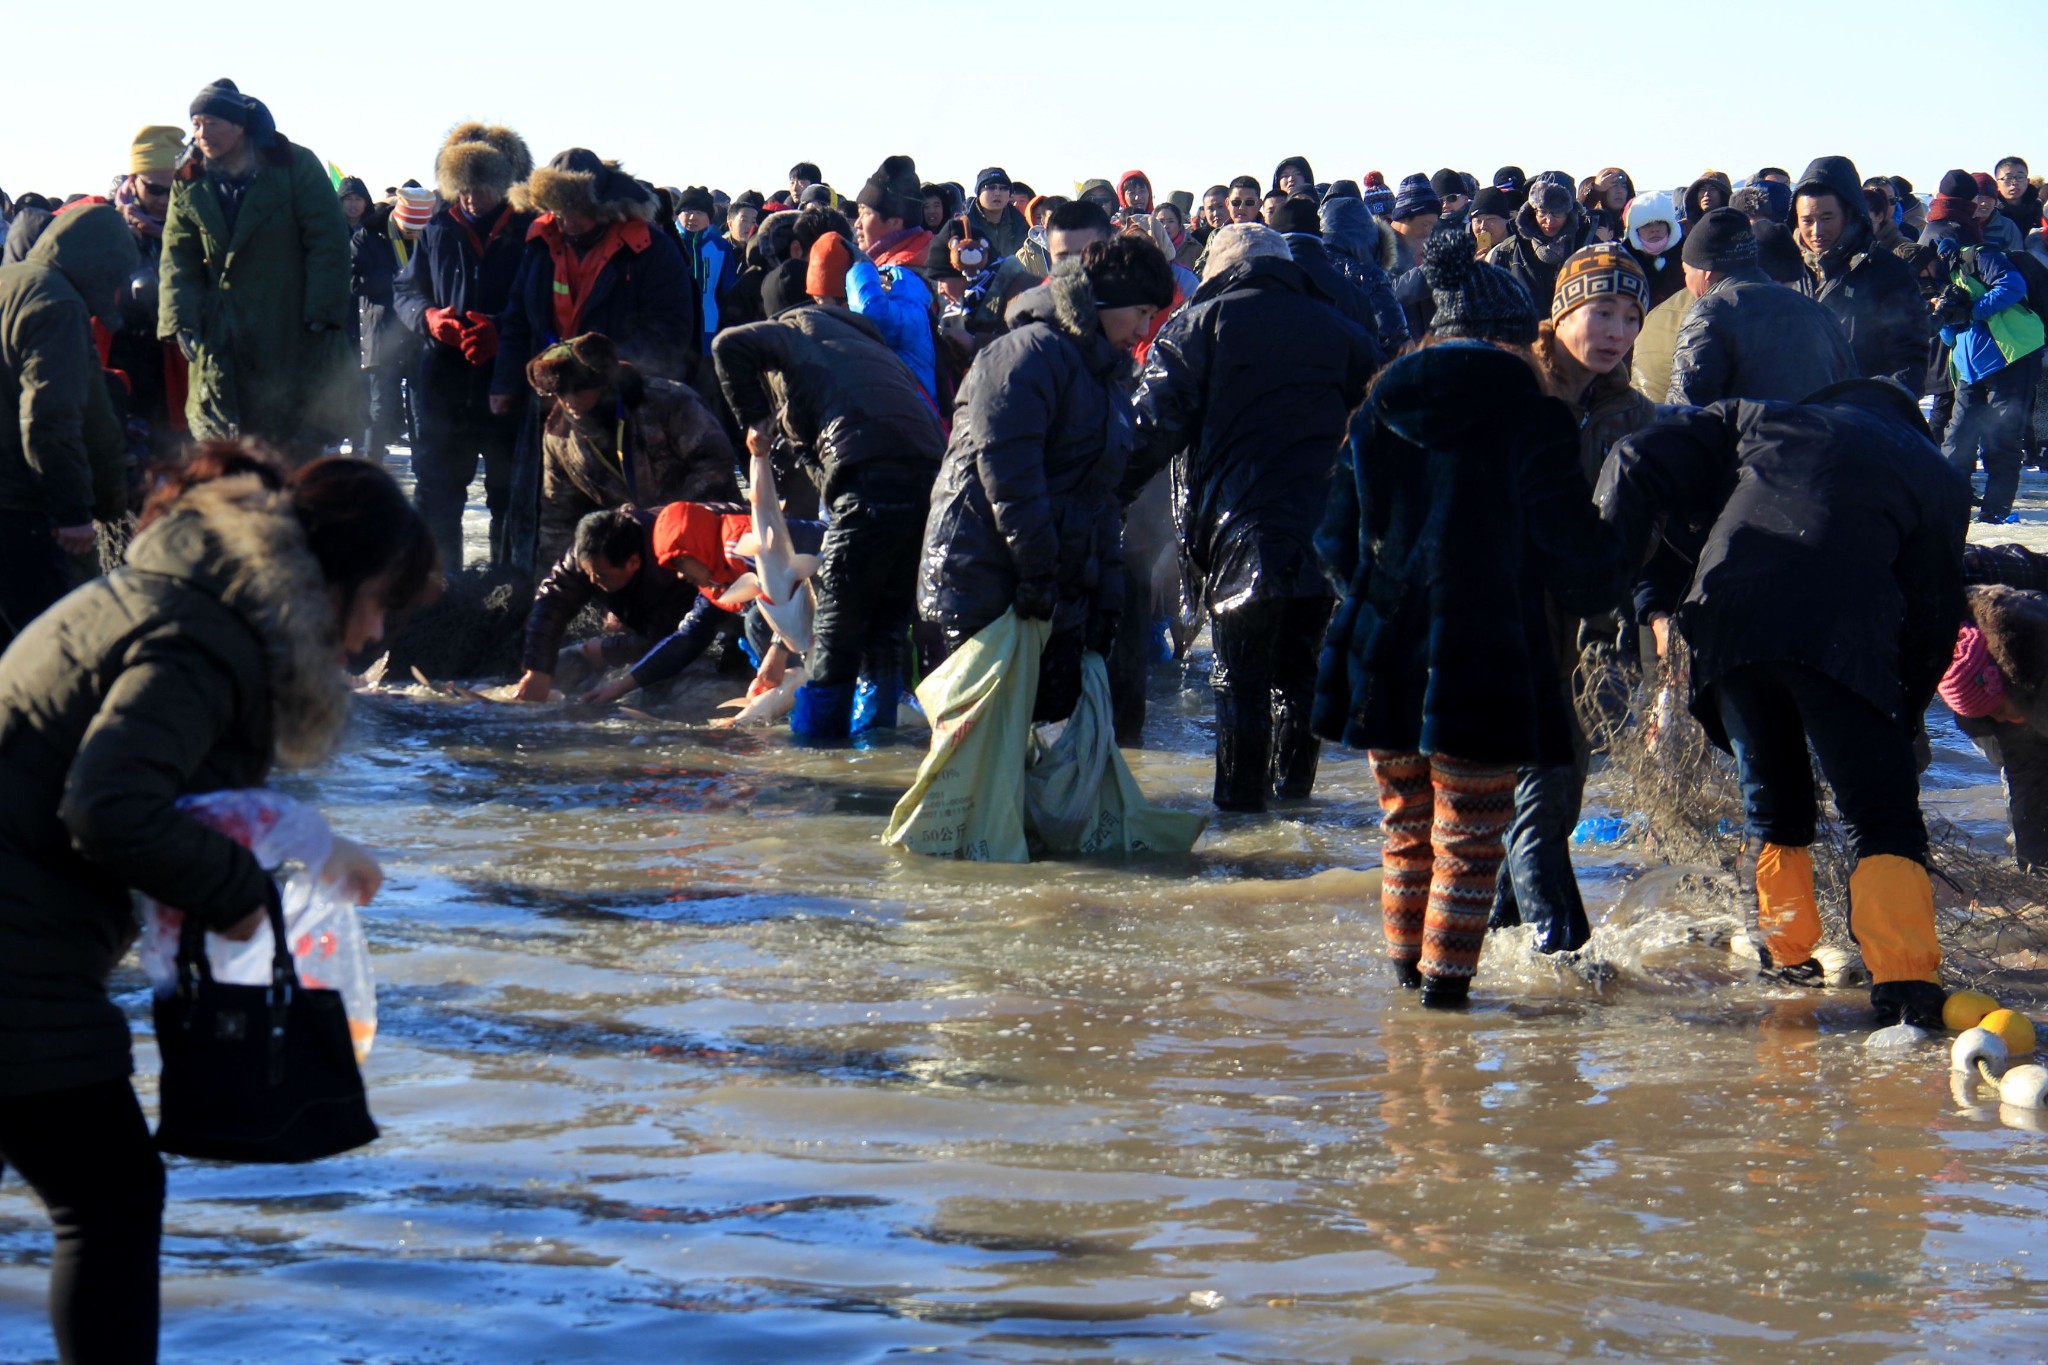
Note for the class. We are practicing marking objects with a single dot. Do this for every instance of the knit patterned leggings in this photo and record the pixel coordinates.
(1443, 822)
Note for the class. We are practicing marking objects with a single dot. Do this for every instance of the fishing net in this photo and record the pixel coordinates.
(1678, 792)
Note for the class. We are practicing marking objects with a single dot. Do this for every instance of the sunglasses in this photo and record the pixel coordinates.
(152, 189)
(1244, 203)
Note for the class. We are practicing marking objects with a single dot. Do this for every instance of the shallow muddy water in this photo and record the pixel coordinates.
(676, 1062)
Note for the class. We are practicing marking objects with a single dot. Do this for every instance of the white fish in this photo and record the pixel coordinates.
(781, 580)
(767, 708)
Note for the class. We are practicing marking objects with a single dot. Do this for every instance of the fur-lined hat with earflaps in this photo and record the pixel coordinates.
(576, 181)
(480, 156)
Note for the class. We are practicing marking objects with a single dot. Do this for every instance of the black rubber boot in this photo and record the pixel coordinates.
(1244, 741)
(1407, 972)
(1446, 992)
(1913, 1002)
(1295, 751)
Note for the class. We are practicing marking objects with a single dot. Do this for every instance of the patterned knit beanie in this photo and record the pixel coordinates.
(1593, 273)
(415, 207)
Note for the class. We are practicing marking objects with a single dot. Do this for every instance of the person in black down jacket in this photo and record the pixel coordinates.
(1025, 512)
(1823, 606)
(450, 293)
(867, 436)
(595, 261)
(1748, 337)
(211, 654)
(1548, 229)
(1872, 293)
(1256, 457)
(1354, 240)
(1298, 221)
(1458, 506)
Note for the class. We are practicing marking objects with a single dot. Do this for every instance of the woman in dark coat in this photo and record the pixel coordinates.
(214, 650)
(1025, 511)
(1458, 505)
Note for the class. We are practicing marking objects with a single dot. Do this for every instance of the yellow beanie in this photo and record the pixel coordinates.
(155, 150)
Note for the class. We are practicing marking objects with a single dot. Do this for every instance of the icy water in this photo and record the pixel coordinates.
(678, 1063)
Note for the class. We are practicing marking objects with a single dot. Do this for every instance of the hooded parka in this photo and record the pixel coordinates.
(60, 454)
(185, 671)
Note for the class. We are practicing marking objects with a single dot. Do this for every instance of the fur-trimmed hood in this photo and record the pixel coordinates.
(576, 181)
(1066, 303)
(240, 543)
(480, 156)
(1350, 227)
(2015, 626)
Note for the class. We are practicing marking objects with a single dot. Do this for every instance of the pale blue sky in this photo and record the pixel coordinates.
(1055, 91)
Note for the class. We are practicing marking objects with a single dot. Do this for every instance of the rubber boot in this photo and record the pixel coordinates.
(1407, 972)
(1891, 917)
(1244, 741)
(874, 703)
(1295, 751)
(823, 712)
(1446, 992)
(1787, 925)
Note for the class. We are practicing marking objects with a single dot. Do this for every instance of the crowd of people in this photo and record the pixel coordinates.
(1414, 452)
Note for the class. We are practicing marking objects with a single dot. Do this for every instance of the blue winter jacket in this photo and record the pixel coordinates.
(1974, 353)
(713, 264)
(899, 303)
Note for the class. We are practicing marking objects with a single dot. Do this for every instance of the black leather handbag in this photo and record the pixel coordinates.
(256, 1073)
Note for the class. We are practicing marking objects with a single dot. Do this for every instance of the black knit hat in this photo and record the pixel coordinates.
(1446, 183)
(784, 287)
(1297, 214)
(222, 100)
(1511, 179)
(991, 175)
(1490, 200)
(1721, 240)
(697, 198)
(893, 190)
(749, 199)
(1474, 299)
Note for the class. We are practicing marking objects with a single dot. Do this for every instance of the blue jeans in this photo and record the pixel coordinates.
(1537, 884)
(1991, 419)
(1771, 711)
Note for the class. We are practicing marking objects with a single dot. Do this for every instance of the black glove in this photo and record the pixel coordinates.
(1102, 633)
(1036, 598)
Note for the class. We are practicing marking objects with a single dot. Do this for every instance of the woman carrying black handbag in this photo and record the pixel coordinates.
(216, 649)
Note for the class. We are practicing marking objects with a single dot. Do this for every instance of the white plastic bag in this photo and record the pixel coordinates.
(325, 936)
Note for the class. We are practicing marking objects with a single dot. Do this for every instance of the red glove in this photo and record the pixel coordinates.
(480, 340)
(444, 326)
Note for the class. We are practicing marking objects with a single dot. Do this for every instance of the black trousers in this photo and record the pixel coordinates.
(89, 1157)
(457, 430)
(1264, 675)
(867, 590)
(34, 571)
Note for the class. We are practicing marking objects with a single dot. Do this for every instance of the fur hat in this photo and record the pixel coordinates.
(478, 156)
(1235, 243)
(576, 181)
(590, 361)
(1473, 299)
(893, 190)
